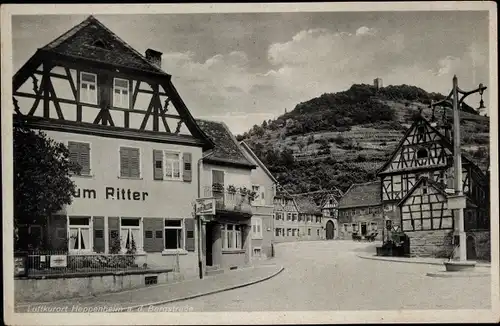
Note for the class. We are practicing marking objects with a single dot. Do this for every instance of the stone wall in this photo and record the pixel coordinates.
(433, 243)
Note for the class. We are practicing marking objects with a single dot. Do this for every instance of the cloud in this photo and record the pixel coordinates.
(308, 64)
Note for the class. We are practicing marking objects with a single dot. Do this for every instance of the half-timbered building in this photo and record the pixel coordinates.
(127, 127)
(329, 208)
(423, 162)
(310, 219)
(286, 217)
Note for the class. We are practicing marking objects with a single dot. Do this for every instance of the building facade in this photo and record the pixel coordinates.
(423, 162)
(134, 139)
(226, 177)
(264, 185)
(329, 208)
(286, 216)
(361, 212)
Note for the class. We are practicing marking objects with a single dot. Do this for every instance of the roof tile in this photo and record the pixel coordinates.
(361, 194)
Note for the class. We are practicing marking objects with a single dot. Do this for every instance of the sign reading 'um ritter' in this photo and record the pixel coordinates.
(111, 193)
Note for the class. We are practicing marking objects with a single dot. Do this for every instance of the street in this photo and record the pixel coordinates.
(327, 275)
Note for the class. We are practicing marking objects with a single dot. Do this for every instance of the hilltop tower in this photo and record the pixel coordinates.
(377, 82)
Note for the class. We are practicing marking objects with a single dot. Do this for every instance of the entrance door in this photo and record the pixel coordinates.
(363, 228)
(218, 188)
(208, 243)
(471, 249)
(330, 230)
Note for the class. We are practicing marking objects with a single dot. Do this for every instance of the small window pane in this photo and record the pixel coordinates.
(88, 78)
(149, 234)
(130, 222)
(176, 223)
(230, 227)
(159, 234)
(121, 83)
(79, 221)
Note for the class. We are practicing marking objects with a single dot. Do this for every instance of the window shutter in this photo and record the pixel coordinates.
(73, 152)
(58, 240)
(187, 173)
(84, 158)
(263, 195)
(124, 162)
(134, 162)
(157, 165)
(189, 228)
(98, 234)
(151, 226)
(114, 232)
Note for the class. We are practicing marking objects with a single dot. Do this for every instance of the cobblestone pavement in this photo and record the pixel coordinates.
(328, 275)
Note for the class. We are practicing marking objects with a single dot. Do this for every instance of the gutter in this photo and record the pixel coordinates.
(198, 222)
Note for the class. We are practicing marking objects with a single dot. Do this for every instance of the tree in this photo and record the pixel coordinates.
(42, 183)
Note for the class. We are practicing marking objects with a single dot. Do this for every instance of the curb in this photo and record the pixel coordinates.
(412, 262)
(456, 274)
(207, 293)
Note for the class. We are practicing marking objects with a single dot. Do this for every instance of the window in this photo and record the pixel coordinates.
(294, 217)
(172, 165)
(79, 153)
(289, 216)
(422, 153)
(130, 166)
(231, 236)
(293, 232)
(130, 234)
(257, 228)
(317, 232)
(79, 233)
(88, 88)
(173, 234)
(257, 251)
(354, 228)
(260, 196)
(308, 231)
(120, 93)
(288, 232)
(346, 227)
(373, 226)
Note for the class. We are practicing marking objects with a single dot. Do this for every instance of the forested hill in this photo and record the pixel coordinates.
(339, 138)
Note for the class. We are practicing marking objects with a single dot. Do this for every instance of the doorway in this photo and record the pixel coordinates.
(209, 231)
(471, 248)
(330, 230)
(363, 228)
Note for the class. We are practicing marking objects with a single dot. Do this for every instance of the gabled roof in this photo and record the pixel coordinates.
(226, 149)
(305, 204)
(253, 158)
(445, 141)
(78, 42)
(361, 194)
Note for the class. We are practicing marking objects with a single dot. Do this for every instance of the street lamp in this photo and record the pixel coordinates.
(458, 202)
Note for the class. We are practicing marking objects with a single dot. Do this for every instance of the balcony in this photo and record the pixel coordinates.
(230, 200)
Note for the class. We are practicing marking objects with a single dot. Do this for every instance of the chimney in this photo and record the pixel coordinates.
(154, 57)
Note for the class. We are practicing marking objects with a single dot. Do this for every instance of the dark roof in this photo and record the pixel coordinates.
(79, 42)
(226, 148)
(305, 204)
(362, 194)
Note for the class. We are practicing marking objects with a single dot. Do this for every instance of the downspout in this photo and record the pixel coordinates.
(198, 222)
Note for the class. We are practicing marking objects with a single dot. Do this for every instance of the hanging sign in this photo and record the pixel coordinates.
(58, 261)
(205, 206)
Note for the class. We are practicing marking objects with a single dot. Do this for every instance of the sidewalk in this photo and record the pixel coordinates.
(414, 260)
(141, 299)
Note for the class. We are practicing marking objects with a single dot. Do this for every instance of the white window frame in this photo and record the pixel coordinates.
(165, 228)
(90, 157)
(261, 200)
(257, 228)
(288, 214)
(120, 162)
(165, 160)
(91, 98)
(138, 245)
(90, 244)
(236, 237)
(126, 104)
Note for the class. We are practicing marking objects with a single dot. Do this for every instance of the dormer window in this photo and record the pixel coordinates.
(88, 88)
(120, 93)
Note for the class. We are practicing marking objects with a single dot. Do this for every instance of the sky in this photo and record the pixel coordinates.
(249, 67)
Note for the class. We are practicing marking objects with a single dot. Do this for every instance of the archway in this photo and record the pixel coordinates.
(471, 248)
(330, 230)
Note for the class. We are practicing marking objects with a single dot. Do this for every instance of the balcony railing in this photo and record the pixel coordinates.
(230, 200)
